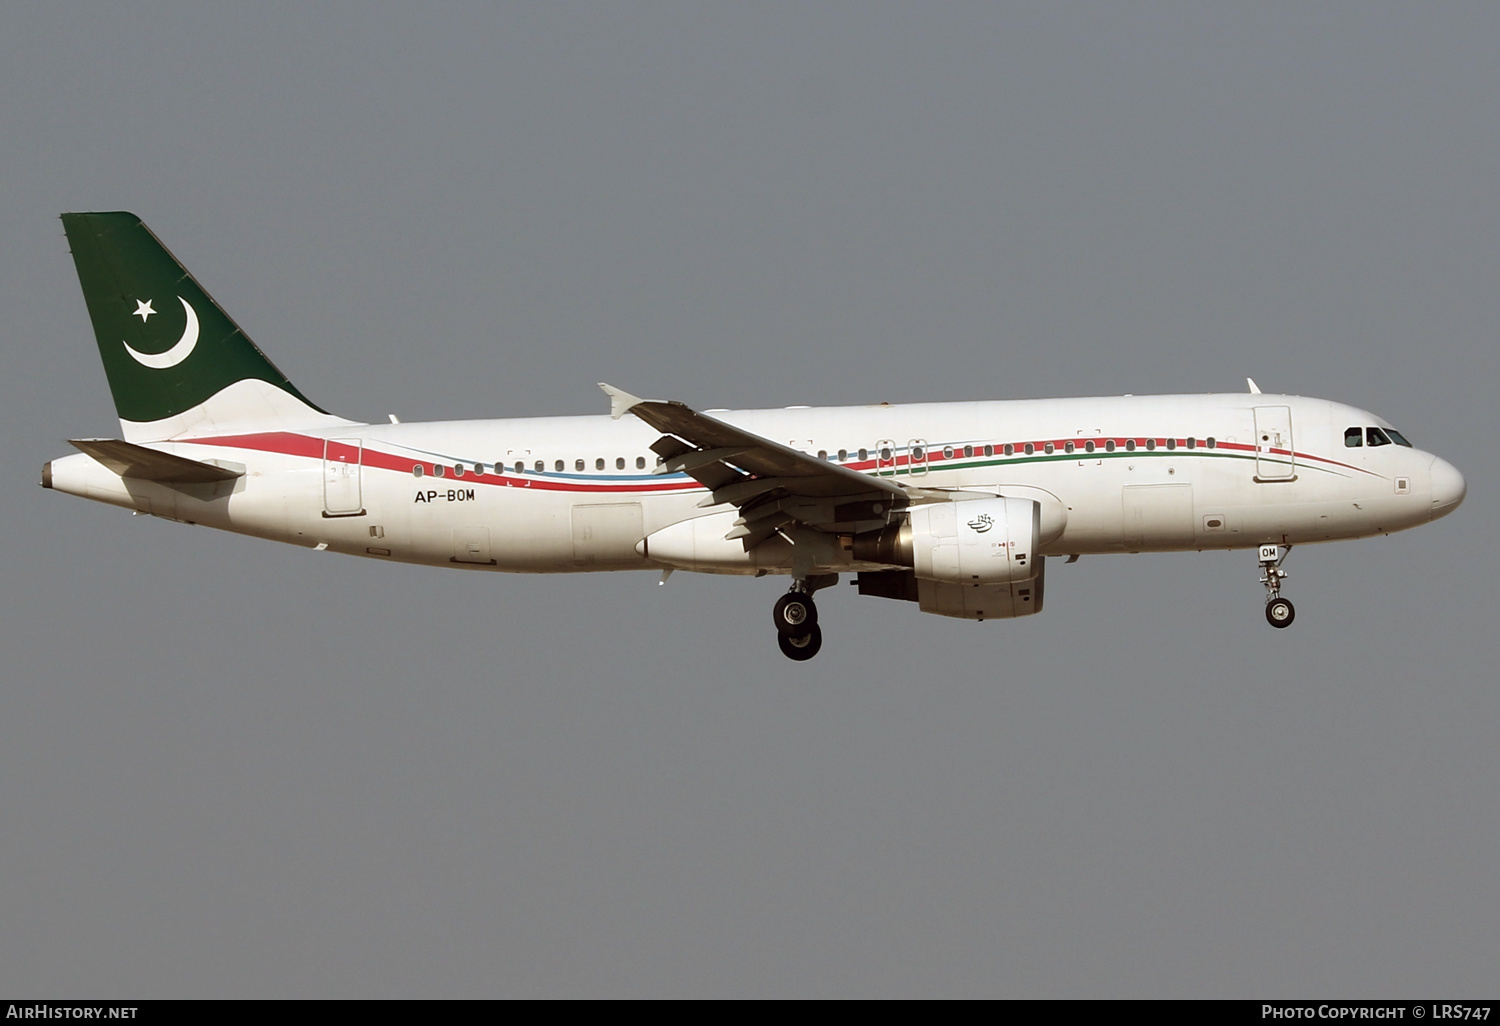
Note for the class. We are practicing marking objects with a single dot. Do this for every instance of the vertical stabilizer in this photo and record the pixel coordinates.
(178, 365)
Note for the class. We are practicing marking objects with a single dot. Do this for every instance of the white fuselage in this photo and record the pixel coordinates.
(1146, 473)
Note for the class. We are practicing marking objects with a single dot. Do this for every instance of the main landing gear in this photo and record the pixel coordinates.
(1279, 612)
(796, 618)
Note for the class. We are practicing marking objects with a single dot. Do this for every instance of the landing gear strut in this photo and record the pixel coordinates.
(1279, 612)
(796, 618)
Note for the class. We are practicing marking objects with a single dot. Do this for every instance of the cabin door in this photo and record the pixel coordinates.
(341, 487)
(1274, 456)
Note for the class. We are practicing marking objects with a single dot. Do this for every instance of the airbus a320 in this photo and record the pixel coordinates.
(954, 507)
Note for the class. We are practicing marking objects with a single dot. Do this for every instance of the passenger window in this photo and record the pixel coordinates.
(520, 467)
(578, 464)
(947, 452)
(1192, 443)
(640, 463)
(843, 455)
(989, 450)
(619, 462)
(968, 451)
(885, 452)
(1010, 449)
(1130, 445)
(1109, 445)
(558, 466)
(437, 470)
(1375, 436)
(1150, 444)
(864, 454)
(458, 470)
(1212, 442)
(917, 452)
(1068, 447)
(1353, 438)
(1171, 443)
(417, 470)
(541, 466)
(1030, 448)
(1088, 446)
(1049, 448)
(599, 463)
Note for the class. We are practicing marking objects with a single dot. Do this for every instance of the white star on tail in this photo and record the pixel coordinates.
(143, 310)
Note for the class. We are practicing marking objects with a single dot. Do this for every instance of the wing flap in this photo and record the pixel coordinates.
(742, 468)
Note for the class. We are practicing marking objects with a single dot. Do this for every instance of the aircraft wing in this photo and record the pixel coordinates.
(772, 484)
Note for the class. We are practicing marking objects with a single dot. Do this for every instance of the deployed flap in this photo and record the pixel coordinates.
(756, 465)
(130, 460)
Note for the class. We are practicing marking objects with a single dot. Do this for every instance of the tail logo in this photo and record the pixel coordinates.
(179, 352)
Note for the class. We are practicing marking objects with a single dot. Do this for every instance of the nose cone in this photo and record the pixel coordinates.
(1448, 487)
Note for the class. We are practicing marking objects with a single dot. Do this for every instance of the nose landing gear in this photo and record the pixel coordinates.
(796, 618)
(1279, 612)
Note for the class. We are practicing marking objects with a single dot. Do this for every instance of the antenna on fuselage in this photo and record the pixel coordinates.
(1254, 388)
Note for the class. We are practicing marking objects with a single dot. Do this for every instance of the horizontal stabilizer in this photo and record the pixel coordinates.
(130, 460)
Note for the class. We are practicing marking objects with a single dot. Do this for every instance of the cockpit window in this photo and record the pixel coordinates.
(1354, 437)
(1375, 436)
(1397, 437)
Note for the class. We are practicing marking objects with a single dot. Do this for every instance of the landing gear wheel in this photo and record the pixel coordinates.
(795, 616)
(1280, 613)
(803, 648)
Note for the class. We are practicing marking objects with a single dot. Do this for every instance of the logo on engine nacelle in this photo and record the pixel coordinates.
(981, 523)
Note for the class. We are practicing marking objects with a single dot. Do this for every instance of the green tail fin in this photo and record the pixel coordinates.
(168, 348)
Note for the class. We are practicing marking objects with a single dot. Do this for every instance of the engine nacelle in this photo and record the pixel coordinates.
(965, 601)
(976, 541)
(983, 601)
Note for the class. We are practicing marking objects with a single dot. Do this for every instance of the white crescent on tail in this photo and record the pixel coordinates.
(172, 357)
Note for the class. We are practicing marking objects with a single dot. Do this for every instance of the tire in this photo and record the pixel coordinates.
(804, 648)
(1280, 613)
(795, 615)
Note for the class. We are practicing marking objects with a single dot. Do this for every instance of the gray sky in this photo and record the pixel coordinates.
(231, 768)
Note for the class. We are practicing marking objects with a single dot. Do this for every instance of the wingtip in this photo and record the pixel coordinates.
(620, 401)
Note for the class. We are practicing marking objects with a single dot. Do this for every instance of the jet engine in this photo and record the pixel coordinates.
(975, 559)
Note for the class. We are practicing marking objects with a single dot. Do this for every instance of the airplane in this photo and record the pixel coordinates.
(952, 506)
